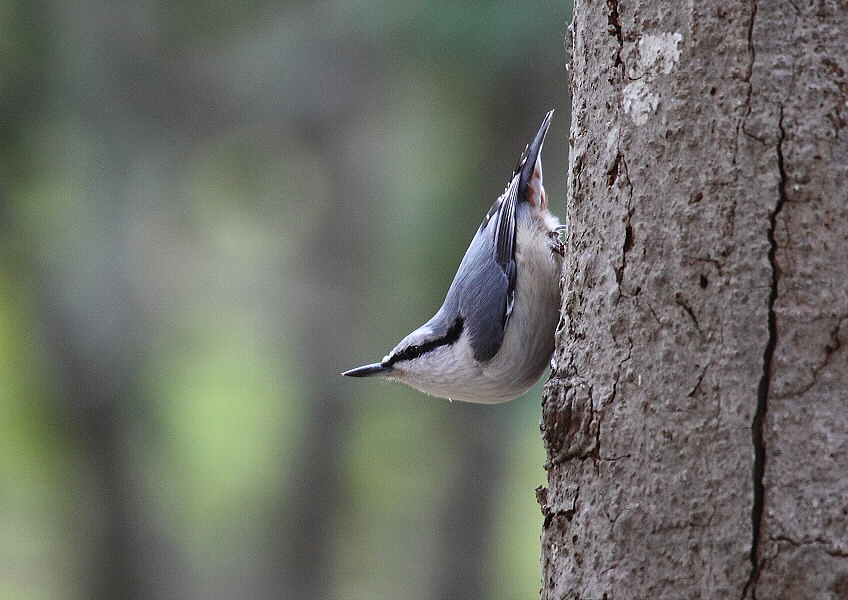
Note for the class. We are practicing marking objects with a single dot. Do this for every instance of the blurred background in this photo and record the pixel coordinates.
(208, 210)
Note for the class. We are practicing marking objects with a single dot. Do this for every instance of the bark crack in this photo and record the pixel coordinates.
(834, 344)
(827, 547)
(681, 302)
(697, 385)
(628, 226)
(568, 422)
(758, 424)
(552, 514)
(748, 76)
(614, 21)
(653, 313)
(753, 52)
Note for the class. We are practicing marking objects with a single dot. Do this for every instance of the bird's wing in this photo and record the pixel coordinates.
(483, 291)
(505, 242)
(487, 284)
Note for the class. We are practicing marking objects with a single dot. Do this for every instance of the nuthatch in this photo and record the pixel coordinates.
(493, 337)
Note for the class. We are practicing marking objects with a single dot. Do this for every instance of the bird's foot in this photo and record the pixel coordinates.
(557, 247)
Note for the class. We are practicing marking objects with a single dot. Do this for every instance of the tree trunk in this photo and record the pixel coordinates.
(697, 423)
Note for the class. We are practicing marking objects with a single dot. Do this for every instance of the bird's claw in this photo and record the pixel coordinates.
(556, 242)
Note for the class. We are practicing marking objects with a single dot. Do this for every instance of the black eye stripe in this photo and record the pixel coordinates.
(414, 351)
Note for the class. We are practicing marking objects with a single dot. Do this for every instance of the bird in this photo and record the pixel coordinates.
(493, 336)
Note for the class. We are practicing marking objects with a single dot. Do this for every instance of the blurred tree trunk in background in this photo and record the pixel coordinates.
(94, 326)
(696, 427)
(300, 536)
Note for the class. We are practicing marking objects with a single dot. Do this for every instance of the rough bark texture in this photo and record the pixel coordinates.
(697, 423)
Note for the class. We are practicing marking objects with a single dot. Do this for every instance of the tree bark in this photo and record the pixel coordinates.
(697, 422)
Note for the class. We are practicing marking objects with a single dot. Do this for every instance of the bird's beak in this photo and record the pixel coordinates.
(369, 371)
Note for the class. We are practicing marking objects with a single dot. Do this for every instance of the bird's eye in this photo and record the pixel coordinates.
(409, 353)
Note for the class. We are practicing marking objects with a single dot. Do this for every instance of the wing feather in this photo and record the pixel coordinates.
(484, 286)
